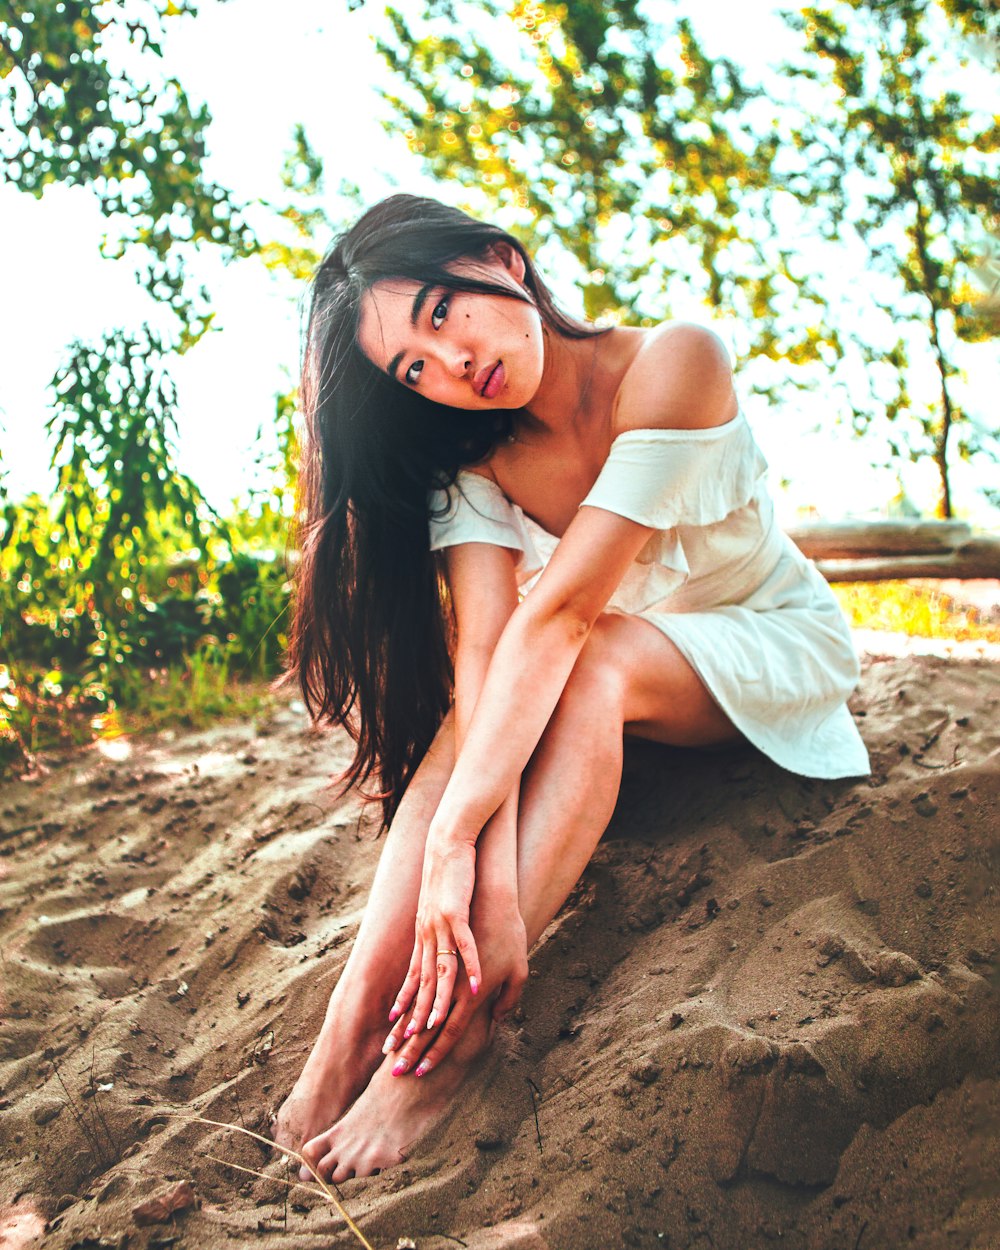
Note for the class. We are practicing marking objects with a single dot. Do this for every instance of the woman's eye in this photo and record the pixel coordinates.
(412, 376)
(439, 313)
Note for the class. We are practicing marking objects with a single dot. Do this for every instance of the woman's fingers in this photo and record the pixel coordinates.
(394, 1038)
(453, 1029)
(469, 953)
(447, 971)
(425, 994)
(410, 983)
(456, 947)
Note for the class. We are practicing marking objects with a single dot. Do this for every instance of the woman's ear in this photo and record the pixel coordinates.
(510, 258)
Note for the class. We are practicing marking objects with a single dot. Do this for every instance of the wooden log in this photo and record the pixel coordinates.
(844, 551)
(848, 540)
(978, 558)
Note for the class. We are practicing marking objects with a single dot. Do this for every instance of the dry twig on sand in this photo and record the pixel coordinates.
(323, 1190)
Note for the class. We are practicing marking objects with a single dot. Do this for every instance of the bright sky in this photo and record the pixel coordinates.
(259, 78)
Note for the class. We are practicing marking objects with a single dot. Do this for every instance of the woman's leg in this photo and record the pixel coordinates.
(629, 675)
(349, 1046)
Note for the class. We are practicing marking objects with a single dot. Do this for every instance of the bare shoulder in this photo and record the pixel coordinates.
(680, 378)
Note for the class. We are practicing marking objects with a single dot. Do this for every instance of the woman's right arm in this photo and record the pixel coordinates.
(483, 585)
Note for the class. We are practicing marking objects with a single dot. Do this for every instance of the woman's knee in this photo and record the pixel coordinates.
(639, 675)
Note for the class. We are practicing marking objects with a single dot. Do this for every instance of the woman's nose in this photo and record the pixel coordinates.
(457, 361)
(452, 355)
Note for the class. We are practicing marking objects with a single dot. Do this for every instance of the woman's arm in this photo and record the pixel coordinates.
(530, 666)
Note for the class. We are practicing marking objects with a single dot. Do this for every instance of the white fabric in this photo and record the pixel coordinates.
(751, 615)
(665, 478)
(476, 510)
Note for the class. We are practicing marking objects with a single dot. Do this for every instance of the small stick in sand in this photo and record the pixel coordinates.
(95, 1097)
(324, 1190)
(536, 1094)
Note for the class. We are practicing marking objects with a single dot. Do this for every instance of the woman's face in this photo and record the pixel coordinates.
(462, 349)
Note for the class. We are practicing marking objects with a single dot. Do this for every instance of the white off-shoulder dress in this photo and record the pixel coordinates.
(747, 610)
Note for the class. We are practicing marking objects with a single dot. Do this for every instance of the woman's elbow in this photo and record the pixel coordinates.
(570, 620)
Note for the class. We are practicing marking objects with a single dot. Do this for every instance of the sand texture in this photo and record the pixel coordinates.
(767, 1016)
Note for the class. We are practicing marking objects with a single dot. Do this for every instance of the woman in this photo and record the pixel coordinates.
(443, 389)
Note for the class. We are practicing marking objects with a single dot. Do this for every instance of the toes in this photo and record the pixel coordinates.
(328, 1165)
(335, 1169)
(317, 1167)
(314, 1151)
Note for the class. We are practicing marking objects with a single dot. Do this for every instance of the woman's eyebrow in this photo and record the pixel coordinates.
(418, 302)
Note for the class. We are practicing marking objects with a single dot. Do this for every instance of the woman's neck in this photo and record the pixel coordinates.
(564, 401)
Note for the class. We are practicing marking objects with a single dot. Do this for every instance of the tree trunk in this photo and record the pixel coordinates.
(947, 411)
(947, 418)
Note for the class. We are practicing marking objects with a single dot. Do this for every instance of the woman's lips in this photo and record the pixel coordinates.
(490, 381)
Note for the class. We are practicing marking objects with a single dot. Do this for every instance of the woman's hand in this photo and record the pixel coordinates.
(502, 938)
(444, 943)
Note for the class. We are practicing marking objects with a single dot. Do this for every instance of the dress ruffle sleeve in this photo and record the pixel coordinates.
(475, 510)
(664, 478)
(668, 479)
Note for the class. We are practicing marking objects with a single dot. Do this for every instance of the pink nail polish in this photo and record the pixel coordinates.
(409, 1031)
(394, 1015)
(421, 1068)
(400, 1068)
(473, 985)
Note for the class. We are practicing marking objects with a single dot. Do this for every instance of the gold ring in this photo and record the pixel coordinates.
(455, 953)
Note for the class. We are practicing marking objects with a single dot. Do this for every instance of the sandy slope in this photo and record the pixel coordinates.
(769, 1015)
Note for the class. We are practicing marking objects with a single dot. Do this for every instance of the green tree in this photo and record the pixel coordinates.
(93, 579)
(901, 159)
(307, 224)
(613, 137)
(84, 102)
(605, 134)
(113, 426)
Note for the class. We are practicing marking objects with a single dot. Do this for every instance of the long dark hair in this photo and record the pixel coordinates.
(370, 641)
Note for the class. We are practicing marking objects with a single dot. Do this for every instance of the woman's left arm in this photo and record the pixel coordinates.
(530, 667)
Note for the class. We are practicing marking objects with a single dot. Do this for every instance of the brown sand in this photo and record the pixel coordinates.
(768, 1016)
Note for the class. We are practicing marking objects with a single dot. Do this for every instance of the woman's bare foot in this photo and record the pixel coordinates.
(393, 1113)
(335, 1073)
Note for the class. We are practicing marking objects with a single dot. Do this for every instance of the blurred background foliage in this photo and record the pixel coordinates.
(662, 171)
(610, 140)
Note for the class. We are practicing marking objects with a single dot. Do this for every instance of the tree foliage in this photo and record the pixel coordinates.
(614, 137)
(86, 104)
(127, 570)
(112, 425)
(908, 164)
